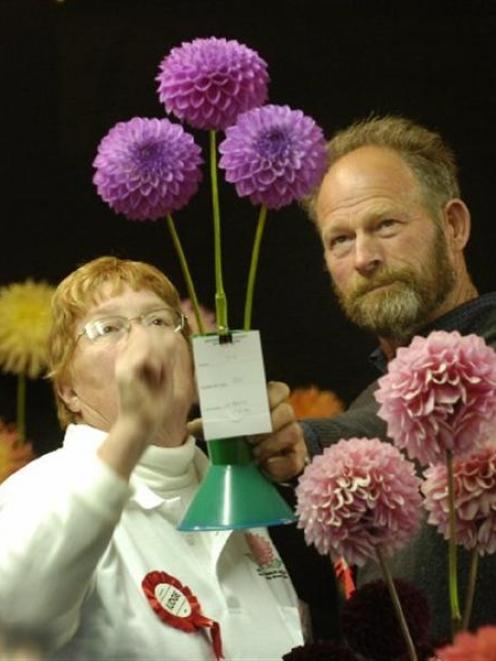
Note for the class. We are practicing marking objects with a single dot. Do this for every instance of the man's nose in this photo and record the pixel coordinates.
(368, 254)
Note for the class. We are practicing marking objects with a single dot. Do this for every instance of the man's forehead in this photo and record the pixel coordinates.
(365, 173)
(370, 163)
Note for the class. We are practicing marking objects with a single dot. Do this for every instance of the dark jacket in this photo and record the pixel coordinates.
(424, 560)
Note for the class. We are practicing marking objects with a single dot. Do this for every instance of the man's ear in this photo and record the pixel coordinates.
(70, 397)
(456, 224)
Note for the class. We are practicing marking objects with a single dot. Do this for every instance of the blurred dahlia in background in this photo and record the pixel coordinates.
(314, 403)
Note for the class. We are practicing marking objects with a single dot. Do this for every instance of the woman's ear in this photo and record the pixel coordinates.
(456, 224)
(70, 397)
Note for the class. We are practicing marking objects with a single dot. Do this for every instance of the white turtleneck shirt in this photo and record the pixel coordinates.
(77, 542)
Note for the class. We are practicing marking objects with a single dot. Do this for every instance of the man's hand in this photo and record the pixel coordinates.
(283, 453)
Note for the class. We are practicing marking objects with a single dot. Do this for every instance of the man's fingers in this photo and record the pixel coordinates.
(281, 416)
(284, 467)
(277, 392)
(278, 443)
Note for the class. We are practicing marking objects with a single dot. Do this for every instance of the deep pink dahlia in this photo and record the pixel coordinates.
(439, 394)
(358, 495)
(274, 155)
(475, 499)
(146, 168)
(478, 646)
(209, 82)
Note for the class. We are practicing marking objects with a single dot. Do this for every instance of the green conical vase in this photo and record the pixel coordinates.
(234, 493)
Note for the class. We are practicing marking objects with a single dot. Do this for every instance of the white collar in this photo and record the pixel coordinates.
(160, 473)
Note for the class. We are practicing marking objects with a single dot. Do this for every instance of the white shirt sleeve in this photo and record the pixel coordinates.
(57, 516)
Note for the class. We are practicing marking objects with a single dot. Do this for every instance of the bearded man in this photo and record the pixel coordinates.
(393, 229)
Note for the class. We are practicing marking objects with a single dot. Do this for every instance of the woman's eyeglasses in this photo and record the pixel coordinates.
(113, 328)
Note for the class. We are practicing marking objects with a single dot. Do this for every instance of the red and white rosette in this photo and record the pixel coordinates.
(178, 607)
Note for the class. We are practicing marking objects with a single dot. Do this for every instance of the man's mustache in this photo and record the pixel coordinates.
(380, 280)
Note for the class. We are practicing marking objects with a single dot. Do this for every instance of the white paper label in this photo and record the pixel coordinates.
(231, 385)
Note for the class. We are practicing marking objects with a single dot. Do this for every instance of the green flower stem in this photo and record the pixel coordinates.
(186, 273)
(253, 267)
(456, 618)
(397, 605)
(21, 408)
(220, 296)
(472, 576)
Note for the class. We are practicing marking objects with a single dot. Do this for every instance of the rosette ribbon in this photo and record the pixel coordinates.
(177, 606)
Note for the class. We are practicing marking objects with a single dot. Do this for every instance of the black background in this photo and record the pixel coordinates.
(71, 70)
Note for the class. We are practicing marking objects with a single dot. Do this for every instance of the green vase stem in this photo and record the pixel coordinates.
(186, 273)
(226, 451)
(220, 296)
(412, 654)
(472, 578)
(250, 288)
(456, 618)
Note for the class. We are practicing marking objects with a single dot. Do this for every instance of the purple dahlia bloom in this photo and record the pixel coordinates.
(209, 82)
(146, 168)
(274, 155)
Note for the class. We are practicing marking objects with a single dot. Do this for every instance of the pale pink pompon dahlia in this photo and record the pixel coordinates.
(274, 155)
(147, 168)
(209, 82)
(359, 495)
(475, 499)
(439, 394)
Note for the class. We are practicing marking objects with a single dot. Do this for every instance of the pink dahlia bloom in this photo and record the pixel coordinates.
(439, 394)
(475, 499)
(358, 495)
(146, 168)
(209, 82)
(478, 646)
(274, 155)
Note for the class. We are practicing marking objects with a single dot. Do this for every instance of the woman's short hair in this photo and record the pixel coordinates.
(78, 292)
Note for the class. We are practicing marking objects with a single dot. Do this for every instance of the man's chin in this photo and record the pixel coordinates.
(388, 311)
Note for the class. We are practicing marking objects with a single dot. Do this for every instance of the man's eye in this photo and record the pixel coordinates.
(337, 242)
(387, 223)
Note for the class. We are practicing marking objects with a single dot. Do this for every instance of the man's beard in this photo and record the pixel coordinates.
(409, 299)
